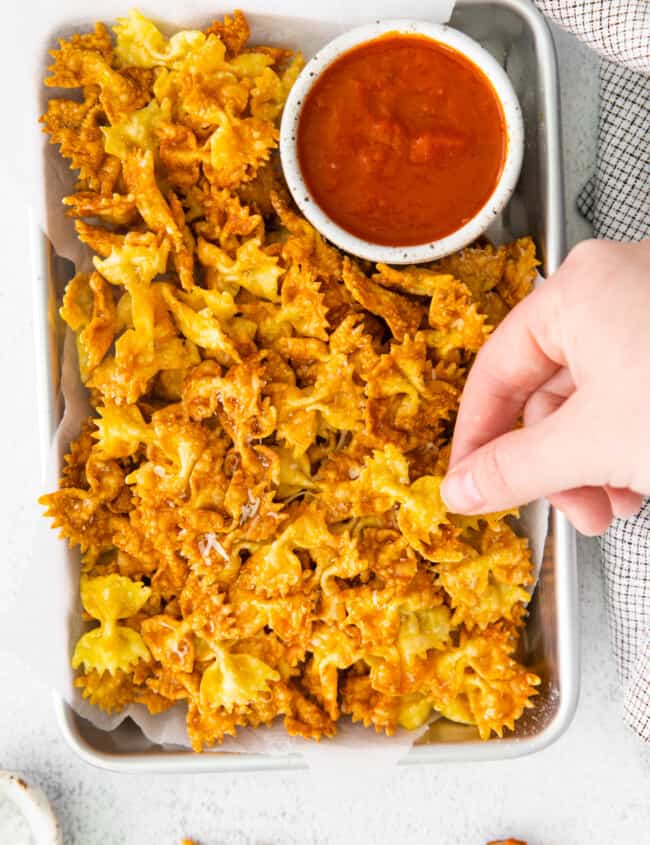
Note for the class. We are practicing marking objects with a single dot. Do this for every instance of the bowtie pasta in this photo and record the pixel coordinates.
(256, 495)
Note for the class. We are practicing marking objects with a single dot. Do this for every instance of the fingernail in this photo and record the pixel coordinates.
(460, 493)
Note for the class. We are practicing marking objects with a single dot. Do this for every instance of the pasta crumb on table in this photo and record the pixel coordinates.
(507, 842)
(256, 495)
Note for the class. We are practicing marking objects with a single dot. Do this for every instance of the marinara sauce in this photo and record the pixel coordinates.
(401, 140)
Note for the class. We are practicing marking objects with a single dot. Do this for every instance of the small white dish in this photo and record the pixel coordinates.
(503, 190)
(31, 802)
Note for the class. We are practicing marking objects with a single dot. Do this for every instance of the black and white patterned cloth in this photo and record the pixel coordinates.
(617, 202)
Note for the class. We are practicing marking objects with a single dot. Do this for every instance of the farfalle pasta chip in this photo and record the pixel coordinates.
(112, 646)
(234, 679)
(89, 309)
(141, 44)
(257, 494)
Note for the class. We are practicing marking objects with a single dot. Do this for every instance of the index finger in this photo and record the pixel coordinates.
(517, 359)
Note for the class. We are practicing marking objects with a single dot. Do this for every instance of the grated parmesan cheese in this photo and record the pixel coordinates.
(208, 543)
(249, 510)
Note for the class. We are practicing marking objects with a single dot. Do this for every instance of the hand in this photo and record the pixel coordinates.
(575, 357)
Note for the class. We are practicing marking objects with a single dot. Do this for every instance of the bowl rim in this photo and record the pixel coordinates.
(503, 190)
(30, 801)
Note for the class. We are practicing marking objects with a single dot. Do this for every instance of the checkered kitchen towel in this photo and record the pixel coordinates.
(617, 202)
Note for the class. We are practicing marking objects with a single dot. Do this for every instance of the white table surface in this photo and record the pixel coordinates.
(591, 788)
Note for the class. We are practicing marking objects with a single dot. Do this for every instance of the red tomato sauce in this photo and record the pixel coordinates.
(401, 140)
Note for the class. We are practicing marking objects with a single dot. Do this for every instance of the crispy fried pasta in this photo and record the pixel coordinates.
(256, 497)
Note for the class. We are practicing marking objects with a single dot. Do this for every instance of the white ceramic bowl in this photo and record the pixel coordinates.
(30, 801)
(431, 250)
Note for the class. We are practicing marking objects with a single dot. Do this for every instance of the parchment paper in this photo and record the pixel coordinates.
(50, 586)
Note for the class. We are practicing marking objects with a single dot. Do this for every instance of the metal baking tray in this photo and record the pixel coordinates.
(518, 36)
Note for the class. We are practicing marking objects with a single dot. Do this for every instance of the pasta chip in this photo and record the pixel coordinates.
(111, 647)
(89, 309)
(141, 44)
(237, 148)
(234, 679)
(110, 691)
(138, 130)
(455, 319)
(489, 586)
(80, 64)
(251, 269)
(490, 689)
(75, 127)
(117, 209)
(520, 271)
(402, 315)
(233, 31)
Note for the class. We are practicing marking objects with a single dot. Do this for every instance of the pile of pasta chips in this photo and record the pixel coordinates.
(256, 495)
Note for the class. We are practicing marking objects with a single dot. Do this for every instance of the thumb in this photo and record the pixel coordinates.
(548, 457)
